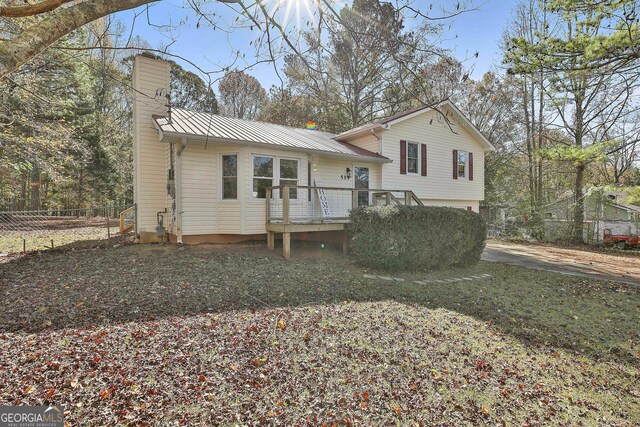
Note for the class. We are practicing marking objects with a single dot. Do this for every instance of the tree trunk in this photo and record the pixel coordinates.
(528, 138)
(578, 213)
(35, 189)
(80, 192)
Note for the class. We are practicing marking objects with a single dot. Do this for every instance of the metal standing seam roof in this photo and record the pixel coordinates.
(203, 125)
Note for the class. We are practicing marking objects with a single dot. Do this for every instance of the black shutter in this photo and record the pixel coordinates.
(403, 157)
(455, 164)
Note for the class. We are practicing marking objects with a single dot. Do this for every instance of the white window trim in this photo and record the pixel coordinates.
(418, 164)
(221, 180)
(276, 173)
(353, 172)
(466, 164)
(299, 162)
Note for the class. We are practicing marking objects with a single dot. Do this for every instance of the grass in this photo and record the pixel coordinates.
(235, 334)
(63, 231)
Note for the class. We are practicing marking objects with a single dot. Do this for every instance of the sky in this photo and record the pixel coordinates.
(476, 30)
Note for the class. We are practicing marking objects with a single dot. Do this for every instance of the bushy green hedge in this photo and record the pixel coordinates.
(416, 237)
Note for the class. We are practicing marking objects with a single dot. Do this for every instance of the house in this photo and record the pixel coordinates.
(605, 208)
(600, 203)
(208, 178)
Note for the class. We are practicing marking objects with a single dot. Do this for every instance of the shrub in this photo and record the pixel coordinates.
(416, 237)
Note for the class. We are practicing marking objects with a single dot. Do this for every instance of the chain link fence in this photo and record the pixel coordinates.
(27, 231)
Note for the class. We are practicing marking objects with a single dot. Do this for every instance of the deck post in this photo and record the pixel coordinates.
(271, 237)
(268, 208)
(388, 194)
(285, 204)
(407, 198)
(286, 245)
(345, 242)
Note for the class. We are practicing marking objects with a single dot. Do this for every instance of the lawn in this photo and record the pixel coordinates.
(235, 335)
(40, 232)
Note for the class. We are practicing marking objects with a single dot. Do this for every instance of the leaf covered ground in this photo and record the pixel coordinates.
(235, 335)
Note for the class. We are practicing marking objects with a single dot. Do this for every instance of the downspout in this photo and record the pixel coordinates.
(379, 141)
(178, 191)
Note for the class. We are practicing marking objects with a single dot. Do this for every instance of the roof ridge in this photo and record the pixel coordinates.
(248, 120)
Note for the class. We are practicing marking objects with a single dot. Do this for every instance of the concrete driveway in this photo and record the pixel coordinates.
(576, 262)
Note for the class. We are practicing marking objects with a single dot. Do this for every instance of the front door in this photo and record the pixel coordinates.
(361, 180)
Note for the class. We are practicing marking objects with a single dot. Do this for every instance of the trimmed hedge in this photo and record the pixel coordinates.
(416, 237)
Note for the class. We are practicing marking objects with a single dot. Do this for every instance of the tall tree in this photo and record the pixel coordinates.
(623, 152)
(353, 60)
(591, 66)
(285, 108)
(531, 24)
(492, 105)
(241, 95)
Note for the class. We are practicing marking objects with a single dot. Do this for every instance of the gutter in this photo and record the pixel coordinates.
(178, 191)
(373, 132)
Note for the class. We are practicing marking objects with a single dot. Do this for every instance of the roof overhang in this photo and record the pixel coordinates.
(388, 123)
(191, 139)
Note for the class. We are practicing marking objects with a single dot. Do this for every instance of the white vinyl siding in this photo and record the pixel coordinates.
(430, 129)
(368, 142)
(150, 156)
(459, 204)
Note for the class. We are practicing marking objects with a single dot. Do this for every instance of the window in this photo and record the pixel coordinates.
(361, 180)
(270, 171)
(262, 175)
(412, 157)
(230, 176)
(289, 176)
(462, 164)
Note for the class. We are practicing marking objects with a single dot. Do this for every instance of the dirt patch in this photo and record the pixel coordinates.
(609, 266)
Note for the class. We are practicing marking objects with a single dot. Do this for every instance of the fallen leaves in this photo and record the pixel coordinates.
(259, 361)
(140, 374)
(154, 358)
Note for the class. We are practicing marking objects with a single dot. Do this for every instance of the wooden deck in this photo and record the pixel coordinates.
(288, 221)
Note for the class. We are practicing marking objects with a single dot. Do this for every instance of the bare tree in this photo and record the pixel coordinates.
(50, 20)
(531, 23)
(623, 150)
(241, 95)
(589, 80)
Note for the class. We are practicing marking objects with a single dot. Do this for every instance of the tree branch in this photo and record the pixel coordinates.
(57, 24)
(31, 9)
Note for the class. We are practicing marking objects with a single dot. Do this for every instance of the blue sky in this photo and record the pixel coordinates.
(211, 49)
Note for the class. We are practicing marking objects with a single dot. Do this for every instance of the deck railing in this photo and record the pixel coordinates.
(300, 204)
